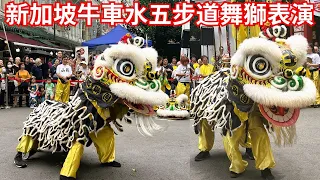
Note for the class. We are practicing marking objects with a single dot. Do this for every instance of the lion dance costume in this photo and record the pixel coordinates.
(264, 89)
(122, 85)
(176, 107)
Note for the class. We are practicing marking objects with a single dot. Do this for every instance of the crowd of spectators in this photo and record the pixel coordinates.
(35, 79)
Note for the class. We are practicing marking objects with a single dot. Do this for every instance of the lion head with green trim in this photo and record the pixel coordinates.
(129, 72)
(176, 107)
(272, 76)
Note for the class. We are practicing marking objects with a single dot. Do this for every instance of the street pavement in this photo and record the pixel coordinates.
(166, 156)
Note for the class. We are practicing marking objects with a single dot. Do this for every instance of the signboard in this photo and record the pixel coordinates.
(82, 53)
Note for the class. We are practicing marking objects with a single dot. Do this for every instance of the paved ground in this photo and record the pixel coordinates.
(168, 156)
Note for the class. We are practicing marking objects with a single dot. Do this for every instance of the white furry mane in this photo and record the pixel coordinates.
(268, 49)
(182, 99)
(137, 55)
(299, 46)
(275, 97)
(137, 95)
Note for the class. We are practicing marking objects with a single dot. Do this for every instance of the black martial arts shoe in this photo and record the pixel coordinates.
(234, 175)
(202, 156)
(267, 175)
(18, 161)
(249, 153)
(112, 164)
(66, 178)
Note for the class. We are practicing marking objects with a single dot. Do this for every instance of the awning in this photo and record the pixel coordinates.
(40, 47)
(40, 52)
(21, 41)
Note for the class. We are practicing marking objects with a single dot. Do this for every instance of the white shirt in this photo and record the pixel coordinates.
(64, 70)
(315, 59)
(184, 70)
(197, 73)
(159, 68)
(2, 75)
(85, 72)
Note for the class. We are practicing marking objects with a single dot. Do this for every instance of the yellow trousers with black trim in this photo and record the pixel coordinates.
(315, 78)
(259, 141)
(206, 138)
(104, 142)
(62, 92)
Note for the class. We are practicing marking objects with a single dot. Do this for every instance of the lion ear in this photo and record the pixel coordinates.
(151, 54)
(298, 45)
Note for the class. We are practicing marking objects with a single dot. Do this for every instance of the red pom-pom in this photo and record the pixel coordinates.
(125, 38)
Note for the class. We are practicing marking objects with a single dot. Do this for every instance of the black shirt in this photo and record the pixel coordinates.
(37, 72)
(15, 68)
(53, 70)
(29, 67)
(45, 70)
(169, 73)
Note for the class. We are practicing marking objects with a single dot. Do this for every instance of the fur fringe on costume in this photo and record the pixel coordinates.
(284, 136)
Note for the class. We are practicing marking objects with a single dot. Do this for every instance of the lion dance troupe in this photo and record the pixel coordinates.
(262, 91)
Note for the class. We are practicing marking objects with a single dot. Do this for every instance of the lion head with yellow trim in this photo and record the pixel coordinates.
(270, 70)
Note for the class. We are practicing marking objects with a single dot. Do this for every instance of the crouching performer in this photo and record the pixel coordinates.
(264, 89)
(122, 85)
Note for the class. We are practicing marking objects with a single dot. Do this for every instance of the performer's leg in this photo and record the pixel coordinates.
(25, 145)
(315, 79)
(231, 145)
(245, 142)
(59, 91)
(66, 93)
(72, 162)
(104, 143)
(206, 141)
(261, 145)
(187, 92)
(180, 89)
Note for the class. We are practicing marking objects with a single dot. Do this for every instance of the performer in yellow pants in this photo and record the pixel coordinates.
(62, 92)
(315, 78)
(103, 141)
(183, 88)
(260, 145)
(206, 141)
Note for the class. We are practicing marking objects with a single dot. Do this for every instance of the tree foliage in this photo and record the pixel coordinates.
(160, 35)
